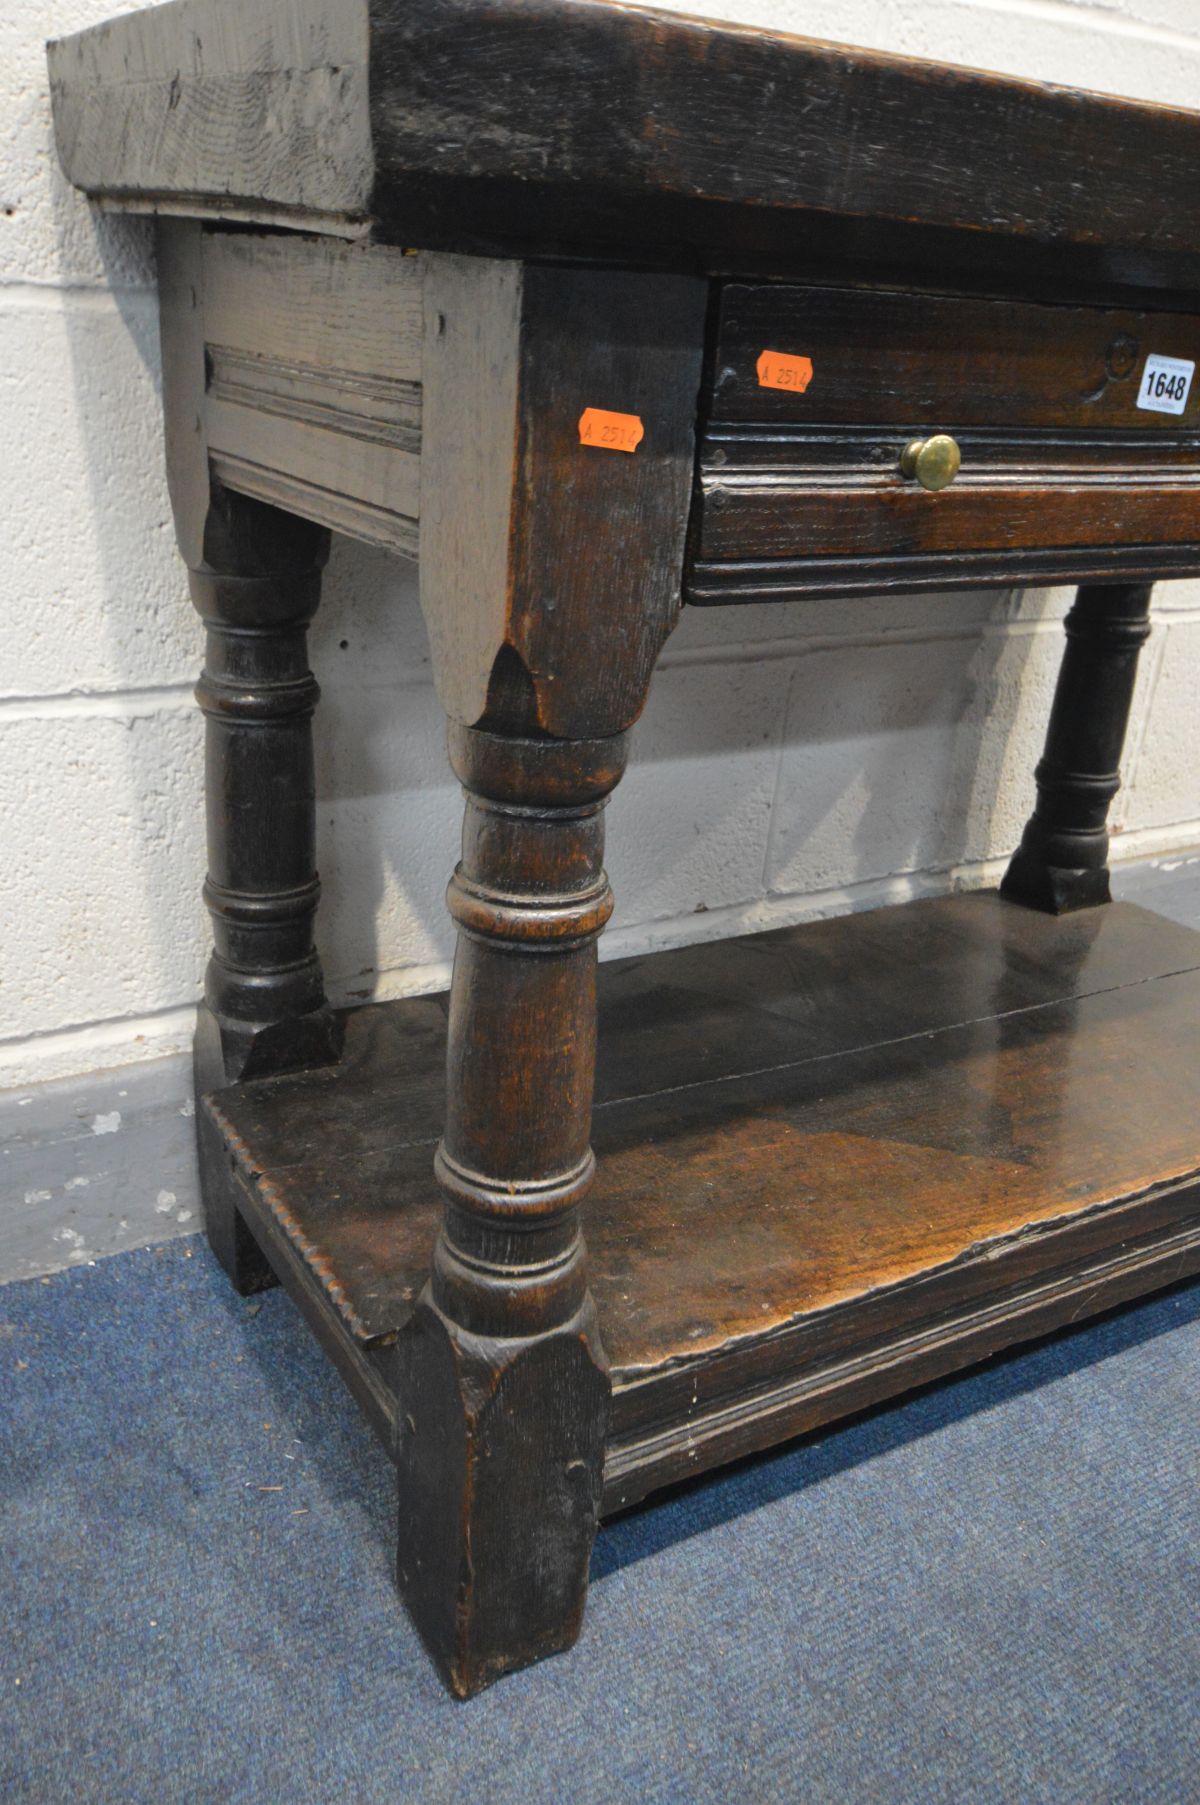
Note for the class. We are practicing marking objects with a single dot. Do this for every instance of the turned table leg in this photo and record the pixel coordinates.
(502, 1436)
(550, 579)
(1062, 861)
(255, 573)
(264, 1008)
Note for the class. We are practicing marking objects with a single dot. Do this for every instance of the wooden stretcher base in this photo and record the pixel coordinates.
(835, 1161)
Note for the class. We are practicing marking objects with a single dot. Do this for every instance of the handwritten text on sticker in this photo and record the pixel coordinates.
(779, 370)
(611, 432)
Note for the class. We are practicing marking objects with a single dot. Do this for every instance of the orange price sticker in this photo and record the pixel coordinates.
(780, 370)
(611, 432)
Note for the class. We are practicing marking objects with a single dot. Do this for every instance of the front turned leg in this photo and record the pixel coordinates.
(504, 1390)
(264, 1008)
(1062, 861)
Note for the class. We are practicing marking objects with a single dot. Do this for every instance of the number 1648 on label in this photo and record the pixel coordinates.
(1165, 384)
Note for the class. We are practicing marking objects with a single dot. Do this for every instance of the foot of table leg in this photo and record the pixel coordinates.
(500, 1454)
(246, 1267)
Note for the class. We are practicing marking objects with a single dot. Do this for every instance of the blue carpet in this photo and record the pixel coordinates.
(990, 1592)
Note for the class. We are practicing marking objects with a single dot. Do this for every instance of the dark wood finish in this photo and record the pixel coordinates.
(264, 1006)
(505, 1384)
(710, 584)
(255, 577)
(1060, 467)
(512, 127)
(499, 1498)
(550, 570)
(835, 1160)
(692, 141)
(785, 506)
(884, 516)
(368, 1369)
(888, 358)
(1062, 861)
(866, 1351)
(263, 987)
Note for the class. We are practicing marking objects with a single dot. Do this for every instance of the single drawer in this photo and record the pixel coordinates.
(1077, 432)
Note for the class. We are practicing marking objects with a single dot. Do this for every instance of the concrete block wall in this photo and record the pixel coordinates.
(792, 760)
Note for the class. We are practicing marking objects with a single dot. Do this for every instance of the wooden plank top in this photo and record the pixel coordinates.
(585, 127)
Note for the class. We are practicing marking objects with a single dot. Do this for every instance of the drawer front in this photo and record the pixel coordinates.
(1066, 473)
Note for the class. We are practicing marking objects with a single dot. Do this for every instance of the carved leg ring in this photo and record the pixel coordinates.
(1062, 861)
(501, 1437)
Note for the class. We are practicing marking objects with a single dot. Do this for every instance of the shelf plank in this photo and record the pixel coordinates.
(833, 1159)
(726, 1211)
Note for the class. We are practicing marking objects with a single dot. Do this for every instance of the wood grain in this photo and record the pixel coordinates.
(510, 127)
(329, 473)
(242, 112)
(597, 126)
(862, 1353)
(501, 1444)
(944, 995)
(1042, 400)
(471, 376)
(833, 1159)
(312, 395)
(913, 360)
(773, 517)
(337, 308)
(709, 583)
(560, 602)
(551, 570)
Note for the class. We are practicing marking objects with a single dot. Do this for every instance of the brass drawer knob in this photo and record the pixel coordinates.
(934, 462)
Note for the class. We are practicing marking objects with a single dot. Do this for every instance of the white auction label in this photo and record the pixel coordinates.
(1165, 384)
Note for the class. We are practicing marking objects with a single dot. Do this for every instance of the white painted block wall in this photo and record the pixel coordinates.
(792, 760)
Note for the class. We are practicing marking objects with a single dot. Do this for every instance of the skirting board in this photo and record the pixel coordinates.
(94, 1165)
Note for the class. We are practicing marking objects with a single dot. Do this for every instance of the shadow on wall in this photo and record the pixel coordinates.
(144, 755)
(843, 743)
(786, 750)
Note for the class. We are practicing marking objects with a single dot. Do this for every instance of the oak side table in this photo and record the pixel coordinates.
(600, 311)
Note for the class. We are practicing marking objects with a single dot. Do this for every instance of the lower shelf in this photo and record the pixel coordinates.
(835, 1161)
